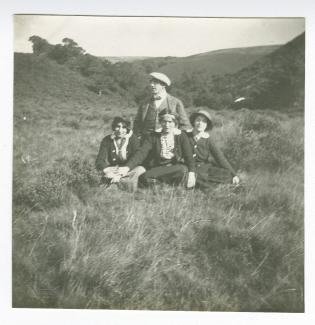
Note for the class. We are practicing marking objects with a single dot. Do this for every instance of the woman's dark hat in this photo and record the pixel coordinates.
(204, 113)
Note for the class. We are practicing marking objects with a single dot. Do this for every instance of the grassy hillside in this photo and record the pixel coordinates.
(77, 245)
(270, 77)
(275, 82)
(45, 90)
(212, 63)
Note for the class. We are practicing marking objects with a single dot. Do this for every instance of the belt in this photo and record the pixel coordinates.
(199, 164)
(166, 164)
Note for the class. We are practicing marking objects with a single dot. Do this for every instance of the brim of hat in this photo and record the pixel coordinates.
(193, 116)
(160, 81)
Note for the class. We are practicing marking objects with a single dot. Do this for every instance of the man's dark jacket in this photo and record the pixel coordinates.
(150, 151)
(171, 104)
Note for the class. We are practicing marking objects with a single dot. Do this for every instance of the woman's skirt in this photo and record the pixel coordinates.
(208, 175)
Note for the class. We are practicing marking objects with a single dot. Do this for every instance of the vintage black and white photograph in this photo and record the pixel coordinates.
(158, 163)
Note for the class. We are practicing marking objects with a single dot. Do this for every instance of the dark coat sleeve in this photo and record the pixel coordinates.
(187, 152)
(133, 146)
(220, 158)
(137, 123)
(183, 122)
(102, 161)
(141, 154)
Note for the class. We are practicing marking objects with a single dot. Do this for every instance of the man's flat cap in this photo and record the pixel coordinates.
(161, 77)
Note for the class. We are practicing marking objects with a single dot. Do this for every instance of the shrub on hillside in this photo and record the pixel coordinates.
(259, 141)
(51, 186)
(45, 190)
(81, 171)
(252, 121)
(72, 123)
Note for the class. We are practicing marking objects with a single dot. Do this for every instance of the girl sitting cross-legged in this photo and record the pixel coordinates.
(115, 150)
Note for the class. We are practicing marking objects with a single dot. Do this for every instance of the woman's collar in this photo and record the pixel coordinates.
(201, 135)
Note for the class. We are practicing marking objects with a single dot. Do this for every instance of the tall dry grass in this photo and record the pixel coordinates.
(76, 245)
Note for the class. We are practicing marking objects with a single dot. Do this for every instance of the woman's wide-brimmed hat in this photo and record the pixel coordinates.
(204, 113)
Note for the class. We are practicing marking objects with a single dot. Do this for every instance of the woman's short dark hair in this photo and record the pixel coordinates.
(117, 120)
(166, 112)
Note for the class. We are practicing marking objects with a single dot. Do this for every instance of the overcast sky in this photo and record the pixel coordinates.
(154, 36)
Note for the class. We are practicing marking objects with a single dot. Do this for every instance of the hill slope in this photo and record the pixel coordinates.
(214, 62)
(44, 89)
(275, 81)
(78, 245)
(268, 76)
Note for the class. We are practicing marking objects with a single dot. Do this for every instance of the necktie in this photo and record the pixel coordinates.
(156, 97)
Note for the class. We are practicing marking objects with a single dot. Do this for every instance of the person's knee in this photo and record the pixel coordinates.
(137, 171)
(182, 170)
(146, 180)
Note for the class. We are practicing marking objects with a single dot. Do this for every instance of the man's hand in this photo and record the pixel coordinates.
(115, 179)
(236, 180)
(107, 169)
(110, 172)
(191, 181)
(123, 171)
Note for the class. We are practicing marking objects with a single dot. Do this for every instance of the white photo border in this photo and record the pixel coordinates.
(199, 8)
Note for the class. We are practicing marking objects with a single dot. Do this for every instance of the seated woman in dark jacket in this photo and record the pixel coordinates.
(115, 150)
(168, 154)
(210, 163)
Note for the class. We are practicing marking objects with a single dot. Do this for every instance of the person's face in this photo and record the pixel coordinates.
(156, 87)
(167, 125)
(120, 130)
(200, 123)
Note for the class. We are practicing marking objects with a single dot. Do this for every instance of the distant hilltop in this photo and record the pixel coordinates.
(115, 59)
(213, 62)
(264, 77)
(253, 50)
(262, 49)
